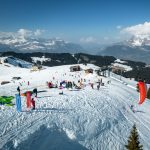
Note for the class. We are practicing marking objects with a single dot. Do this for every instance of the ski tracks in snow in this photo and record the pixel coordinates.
(19, 123)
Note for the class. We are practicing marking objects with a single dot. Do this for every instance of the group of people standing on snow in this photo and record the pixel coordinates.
(99, 83)
(31, 96)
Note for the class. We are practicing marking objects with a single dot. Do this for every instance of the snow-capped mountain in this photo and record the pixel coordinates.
(32, 44)
(139, 40)
(137, 49)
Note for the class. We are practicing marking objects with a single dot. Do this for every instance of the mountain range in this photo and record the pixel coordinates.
(30, 44)
(137, 48)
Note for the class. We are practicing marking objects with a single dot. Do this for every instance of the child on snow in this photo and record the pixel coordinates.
(33, 97)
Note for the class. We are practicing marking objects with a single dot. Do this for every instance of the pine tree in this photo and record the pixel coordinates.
(133, 141)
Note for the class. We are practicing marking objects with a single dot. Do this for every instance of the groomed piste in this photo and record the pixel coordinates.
(71, 110)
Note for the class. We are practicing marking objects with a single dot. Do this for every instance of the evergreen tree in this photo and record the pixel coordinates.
(133, 141)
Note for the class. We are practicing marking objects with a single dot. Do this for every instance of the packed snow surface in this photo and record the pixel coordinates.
(120, 61)
(87, 119)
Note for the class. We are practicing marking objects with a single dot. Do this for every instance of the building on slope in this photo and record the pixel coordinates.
(17, 62)
(75, 68)
(36, 68)
(117, 69)
(88, 70)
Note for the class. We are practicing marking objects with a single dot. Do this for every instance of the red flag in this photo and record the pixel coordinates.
(142, 89)
(28, 95)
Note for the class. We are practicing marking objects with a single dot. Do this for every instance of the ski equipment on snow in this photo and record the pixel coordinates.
(18, 102)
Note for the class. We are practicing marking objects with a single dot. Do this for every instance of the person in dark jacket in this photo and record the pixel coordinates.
(98, 86)
(18, 89)
(92, 85)
(33, 97)
(35, 91)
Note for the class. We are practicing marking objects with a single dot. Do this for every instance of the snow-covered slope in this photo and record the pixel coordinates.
(84, 119)
(121, 64)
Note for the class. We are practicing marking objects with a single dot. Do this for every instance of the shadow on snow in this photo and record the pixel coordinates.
(46, 139)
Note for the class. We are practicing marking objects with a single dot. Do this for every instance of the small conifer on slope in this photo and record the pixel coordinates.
(133, 141)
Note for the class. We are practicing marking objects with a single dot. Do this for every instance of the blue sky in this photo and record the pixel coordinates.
(74, 20)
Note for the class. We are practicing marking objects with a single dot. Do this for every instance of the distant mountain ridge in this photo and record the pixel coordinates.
(139, 40)
(136, 49)
(32, 44)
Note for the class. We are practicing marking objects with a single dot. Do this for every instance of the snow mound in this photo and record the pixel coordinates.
(70, 134)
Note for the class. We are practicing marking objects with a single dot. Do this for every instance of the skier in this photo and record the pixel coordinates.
(132, 108)
(98, 86)
(71, 85)
(101, 81)
(92, 85)
(49, 84)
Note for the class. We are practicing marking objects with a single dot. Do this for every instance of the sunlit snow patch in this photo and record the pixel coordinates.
(15, 142)
(70, 134)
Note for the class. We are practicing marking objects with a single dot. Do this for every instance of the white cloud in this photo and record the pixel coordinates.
(38, 32)
(138, 30)
(6, 34)
(89, 39)
(119, 27)
(22, 33)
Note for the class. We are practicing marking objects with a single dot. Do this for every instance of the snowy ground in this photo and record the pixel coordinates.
(85, 119)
